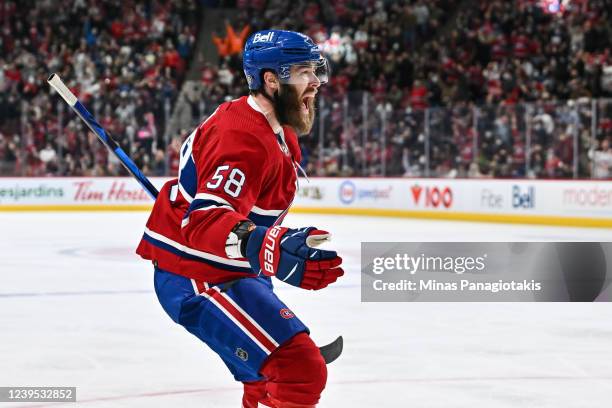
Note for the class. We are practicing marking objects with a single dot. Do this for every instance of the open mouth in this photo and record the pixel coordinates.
(306, 101)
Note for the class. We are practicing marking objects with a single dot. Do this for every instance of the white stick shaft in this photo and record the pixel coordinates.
(61, 88)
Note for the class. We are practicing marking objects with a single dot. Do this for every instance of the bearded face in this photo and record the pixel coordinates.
(294, 108)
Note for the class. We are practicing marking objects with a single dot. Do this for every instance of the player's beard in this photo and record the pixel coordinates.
(288, 106)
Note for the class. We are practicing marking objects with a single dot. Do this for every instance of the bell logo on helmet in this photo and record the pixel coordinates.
(278, 51)
(259, 37)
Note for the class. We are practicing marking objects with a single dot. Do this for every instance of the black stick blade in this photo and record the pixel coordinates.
(332, 351)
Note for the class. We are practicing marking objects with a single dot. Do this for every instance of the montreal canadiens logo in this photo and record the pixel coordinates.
(241, 354)
(347, 192)
(286, 313)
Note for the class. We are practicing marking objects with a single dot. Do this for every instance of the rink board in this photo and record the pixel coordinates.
(581, 203)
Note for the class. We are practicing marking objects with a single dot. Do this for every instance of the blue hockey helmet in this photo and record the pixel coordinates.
(279, 50)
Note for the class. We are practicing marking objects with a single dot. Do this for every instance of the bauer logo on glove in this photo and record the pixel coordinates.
(269, 264)
(291, 255)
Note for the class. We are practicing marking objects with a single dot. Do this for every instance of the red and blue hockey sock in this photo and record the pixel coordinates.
(295, 376)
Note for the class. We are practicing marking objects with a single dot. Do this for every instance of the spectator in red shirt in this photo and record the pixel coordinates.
(418, 96)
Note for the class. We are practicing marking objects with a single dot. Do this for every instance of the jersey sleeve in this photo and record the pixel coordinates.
(230, 174)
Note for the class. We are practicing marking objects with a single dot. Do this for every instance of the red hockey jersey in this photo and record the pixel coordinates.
(233, 167)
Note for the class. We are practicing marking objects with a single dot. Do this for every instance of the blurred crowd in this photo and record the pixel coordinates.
(125, 60)
(445, 88)
(371, 45)
(465, 89)
(488, 92)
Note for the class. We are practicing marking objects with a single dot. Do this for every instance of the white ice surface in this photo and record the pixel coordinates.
(77, 309)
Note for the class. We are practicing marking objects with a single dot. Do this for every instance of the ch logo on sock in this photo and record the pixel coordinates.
(286, 313)
(241, 354)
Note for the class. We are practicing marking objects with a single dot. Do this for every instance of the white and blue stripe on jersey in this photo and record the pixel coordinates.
(184, 251)
(188, 176)
(264, 218)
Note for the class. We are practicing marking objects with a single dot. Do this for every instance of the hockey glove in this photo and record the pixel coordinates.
(289, 254)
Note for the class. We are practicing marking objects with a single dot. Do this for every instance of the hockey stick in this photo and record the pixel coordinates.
(329, 352)
(67, 95)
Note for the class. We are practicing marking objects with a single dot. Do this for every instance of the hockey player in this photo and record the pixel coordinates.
(214, 234)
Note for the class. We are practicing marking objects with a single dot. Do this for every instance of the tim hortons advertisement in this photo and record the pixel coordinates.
(86, 191)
